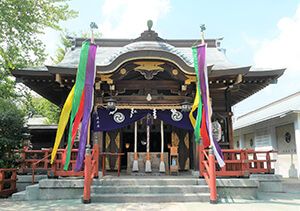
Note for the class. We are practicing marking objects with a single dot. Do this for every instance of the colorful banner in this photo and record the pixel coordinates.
(79, 85)
(206, 126)
(88, 105)
(197, 105)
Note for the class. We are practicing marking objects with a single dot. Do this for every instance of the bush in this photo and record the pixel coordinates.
(11, 130)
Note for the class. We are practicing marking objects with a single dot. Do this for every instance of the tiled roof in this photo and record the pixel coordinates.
(278, 108)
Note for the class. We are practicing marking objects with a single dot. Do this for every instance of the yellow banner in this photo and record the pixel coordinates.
(63, 120)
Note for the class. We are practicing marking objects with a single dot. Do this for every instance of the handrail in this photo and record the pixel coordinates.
(34, 165)
(12, 180)
(241, 162)
(90, 171)
(104, 154)
(210, 173)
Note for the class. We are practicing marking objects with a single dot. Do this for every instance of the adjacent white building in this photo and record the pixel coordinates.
(274, 126)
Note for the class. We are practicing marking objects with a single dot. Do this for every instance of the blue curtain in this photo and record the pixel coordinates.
(105, 120)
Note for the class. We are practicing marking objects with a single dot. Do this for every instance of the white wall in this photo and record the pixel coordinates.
(297, 140)
(269, 135)
(287, 156)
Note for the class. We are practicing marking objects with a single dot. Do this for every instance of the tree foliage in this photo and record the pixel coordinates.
(11, 130)
(21, 23)
(43, 107)
(64, 46)
(66, 43)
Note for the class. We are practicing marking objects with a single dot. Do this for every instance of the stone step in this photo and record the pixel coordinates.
(153, 198)
(19, 196)
(150, 189)
(147, 181)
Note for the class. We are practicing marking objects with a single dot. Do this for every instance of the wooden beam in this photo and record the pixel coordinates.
(156, 99)
(142, 84)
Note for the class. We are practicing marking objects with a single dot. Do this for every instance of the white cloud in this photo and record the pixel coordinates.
(283, 51)
(127, 18)
(119, 19)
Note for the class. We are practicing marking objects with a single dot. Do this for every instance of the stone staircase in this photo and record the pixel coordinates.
(149, 189)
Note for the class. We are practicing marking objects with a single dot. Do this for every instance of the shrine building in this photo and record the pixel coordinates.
(144, 90)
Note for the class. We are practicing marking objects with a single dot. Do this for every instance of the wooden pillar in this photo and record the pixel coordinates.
(195, 153)
(96, 148)
(228, 119)
(98, 138)
(230, 131)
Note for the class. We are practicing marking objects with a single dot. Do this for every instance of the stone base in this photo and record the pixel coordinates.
(26, 180)
(142, 157)
(162, 167)
(237, 188)
(148, 166)
(271, 183)
(195, 173)
(52, 189)
(135, 166)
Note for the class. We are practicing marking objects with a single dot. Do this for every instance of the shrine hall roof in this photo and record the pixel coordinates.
(106, 55)
(112, 53)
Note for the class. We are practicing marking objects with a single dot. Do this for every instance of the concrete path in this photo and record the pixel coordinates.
(272, 202)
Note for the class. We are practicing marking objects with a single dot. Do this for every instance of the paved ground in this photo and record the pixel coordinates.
(273, 202)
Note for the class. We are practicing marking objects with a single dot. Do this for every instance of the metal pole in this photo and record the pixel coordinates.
(148, 142)
(162, 138)
(148, 163)
(135, 165)
(162, 167)
(135, 140)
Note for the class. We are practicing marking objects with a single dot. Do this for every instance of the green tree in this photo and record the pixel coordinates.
(11, 130)
(43, 107)
(21, 23)
(66, 44)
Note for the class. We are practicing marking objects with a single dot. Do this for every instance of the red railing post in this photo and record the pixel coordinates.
(201, 159)
(244, 163)
(46, 161)
(268, 158)
(14, 180)
(87, 176)
(255, 160)
(2, 178)
(23, 163)
(212, 176)
(33, 172)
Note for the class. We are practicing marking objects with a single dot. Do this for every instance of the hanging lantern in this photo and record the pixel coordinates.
(186, 106)
(111, 104)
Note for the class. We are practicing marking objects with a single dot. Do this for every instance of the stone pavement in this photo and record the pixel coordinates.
(273, 202)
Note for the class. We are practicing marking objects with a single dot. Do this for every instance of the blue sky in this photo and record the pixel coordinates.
(252, 30)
